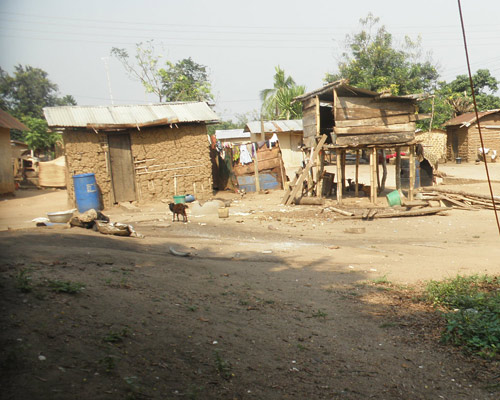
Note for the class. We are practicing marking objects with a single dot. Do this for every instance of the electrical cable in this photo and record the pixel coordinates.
(477, 115)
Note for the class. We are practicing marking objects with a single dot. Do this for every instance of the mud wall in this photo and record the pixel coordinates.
(166, 161)
(459, 135)
(170, 161)
(490, 129)
(434, 143)
(85, 152)
(6, 166)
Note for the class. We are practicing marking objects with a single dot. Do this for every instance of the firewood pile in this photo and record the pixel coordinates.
(458, 199)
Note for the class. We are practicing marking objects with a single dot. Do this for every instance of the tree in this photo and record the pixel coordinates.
(145, 69)
(28, 91)
(185, 80)
(277, 101)
(24, 95)
(372, 61)
(455, 98)
(38, 137)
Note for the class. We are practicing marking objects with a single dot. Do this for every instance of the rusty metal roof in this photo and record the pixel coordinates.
(469, 118)
(129, 115)
(9, 122)
(290, 125)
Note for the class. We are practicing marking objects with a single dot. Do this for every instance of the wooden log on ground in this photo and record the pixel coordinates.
(466, 194)
(413, 213)
(415, 203)
(343, 212)
(310, 201)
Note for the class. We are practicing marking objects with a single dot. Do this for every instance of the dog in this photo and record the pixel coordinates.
(178, 209)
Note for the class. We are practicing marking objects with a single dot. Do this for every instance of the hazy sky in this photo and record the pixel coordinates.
(239, 41)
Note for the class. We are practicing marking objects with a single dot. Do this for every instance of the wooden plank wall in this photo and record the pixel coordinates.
(368, 120)
(309, 117)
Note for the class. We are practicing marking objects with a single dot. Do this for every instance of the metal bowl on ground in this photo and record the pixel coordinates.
(60, 216)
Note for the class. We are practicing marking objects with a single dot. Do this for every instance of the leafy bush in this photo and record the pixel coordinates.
(472, 312)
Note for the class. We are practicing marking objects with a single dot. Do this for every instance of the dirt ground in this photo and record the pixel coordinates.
(274, 302)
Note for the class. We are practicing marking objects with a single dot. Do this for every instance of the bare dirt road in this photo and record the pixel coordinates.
(273, 302)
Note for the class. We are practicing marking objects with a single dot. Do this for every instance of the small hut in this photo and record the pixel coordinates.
(463, 142)
(339, 117)
(138, 152)
(290, 138)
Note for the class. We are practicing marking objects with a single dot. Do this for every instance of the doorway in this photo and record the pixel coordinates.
(122, 168)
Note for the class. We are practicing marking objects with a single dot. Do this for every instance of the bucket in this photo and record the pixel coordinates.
(189, 198)
(179, 199)
(393, 198)
(86, 193)
(223, 212)
(458, 160)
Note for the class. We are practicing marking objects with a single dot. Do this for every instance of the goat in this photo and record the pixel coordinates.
(178, 209)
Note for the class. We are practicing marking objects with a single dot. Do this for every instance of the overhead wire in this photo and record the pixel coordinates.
(477, 114)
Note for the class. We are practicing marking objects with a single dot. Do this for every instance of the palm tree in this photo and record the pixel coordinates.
(276, 102)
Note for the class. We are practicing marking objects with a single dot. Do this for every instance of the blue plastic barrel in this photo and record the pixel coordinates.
(86, 192)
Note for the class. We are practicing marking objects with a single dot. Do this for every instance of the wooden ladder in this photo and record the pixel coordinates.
(302, 173)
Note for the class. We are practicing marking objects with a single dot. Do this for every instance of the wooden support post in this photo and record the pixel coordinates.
(412, 172)
(356, 189)
(398, 169)
(343, 171)
(310, 176)
(282, 170)
(373, 175)
(378, 170)
(340, 177)
(319, 184)
(256, 168)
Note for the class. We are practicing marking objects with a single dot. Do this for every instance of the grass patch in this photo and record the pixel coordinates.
(23, 281)
(319, 314)
(116, 336)
(223, 366)
(471, 307)
(66, 286)
(382, 280)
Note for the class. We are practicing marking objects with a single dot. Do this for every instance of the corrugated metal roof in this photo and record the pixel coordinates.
(9, 122)
(225, 134)
(290, 125)
(129, 115)
(469, 118)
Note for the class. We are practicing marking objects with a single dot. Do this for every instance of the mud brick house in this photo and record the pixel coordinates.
(137, 152)
(463, 135)
(7, 122)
